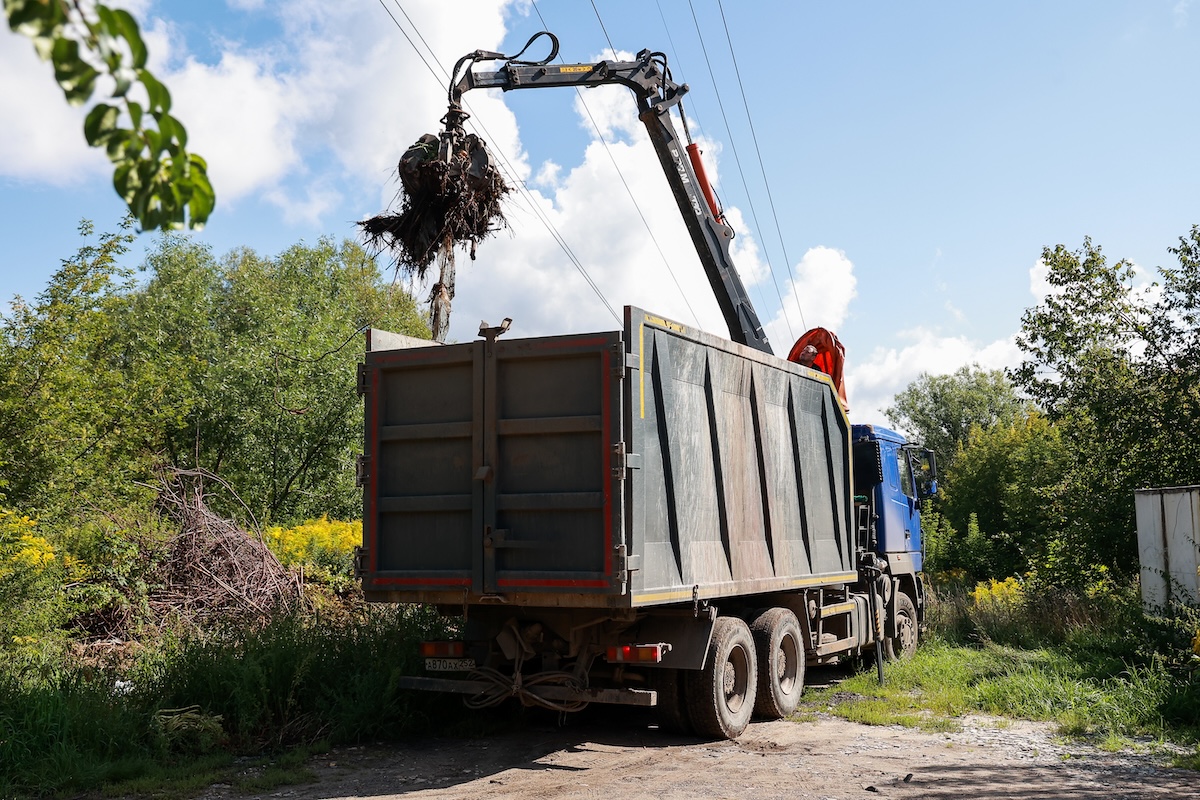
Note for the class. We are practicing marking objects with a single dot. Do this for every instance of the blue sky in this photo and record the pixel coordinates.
(918, 155)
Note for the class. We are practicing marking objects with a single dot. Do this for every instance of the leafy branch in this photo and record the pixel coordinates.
(163, 184)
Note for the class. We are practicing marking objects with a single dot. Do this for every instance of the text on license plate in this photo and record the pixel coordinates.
(449, 664)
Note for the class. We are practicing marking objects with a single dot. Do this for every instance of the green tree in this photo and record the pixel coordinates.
(69, 406)
(162, 183)
(269, 350)
(1004, 491)
(243, 367)
(940, 410)
(1115, 367)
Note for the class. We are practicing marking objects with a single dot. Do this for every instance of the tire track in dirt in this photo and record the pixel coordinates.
(823, 759)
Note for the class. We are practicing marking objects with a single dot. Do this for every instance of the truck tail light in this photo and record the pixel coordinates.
(637, 653)
(441, 649)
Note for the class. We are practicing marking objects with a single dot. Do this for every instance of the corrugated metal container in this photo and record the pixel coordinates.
(653, 465)
(1168, 529)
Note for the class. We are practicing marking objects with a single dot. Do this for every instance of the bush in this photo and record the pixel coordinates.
(321, 545)
(296, 681)
(30, 579)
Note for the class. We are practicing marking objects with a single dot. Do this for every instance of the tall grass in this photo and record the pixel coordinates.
(297, 680)
(1090, 662)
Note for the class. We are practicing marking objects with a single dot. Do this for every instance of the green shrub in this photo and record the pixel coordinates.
(31, 606)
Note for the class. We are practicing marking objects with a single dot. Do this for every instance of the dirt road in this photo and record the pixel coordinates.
(605, 756)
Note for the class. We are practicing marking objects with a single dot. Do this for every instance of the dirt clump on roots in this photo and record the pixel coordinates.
(444, 203)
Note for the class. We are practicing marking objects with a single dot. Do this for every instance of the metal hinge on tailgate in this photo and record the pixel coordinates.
(362, 470)
(622, 361)
(623, 461)
(626, 564)
(363, 385)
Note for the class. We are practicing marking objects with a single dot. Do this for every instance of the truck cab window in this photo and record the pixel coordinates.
(906, 478)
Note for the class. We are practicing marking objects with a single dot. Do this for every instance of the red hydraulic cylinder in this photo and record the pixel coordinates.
(693, 151)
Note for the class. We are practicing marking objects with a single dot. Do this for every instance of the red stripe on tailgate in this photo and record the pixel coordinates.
(605, 445)
(567, 582)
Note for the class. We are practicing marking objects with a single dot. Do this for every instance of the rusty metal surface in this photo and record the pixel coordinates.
(744, 479)
(655, 465)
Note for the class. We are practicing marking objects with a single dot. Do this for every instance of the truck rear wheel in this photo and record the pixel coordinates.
(904, 644)
(720, 697)
(780, 647)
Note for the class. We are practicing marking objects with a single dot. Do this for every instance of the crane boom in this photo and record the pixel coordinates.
(656, 94)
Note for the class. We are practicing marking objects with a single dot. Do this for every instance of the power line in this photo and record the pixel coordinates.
(621, 175)
(766, 182)
(602, 28)
(750, 198)
(754, 287)
(510, 170)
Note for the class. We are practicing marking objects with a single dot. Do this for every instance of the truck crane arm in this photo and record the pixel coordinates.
(649, 79)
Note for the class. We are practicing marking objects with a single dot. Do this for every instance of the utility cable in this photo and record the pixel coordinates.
(602, 28)
(510, 170)
(750, 199)
(675, 59)
(762, 168)
(620, 174)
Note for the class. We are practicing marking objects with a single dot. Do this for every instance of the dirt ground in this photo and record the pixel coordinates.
(620, 755)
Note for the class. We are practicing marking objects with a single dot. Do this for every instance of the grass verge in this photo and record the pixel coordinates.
(1086, 694)
(185, 713)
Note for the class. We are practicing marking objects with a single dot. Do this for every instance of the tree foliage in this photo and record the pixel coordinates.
(243, 367)
(940, 410)
(1116, 368)
(1113, 362)
(1003, 493)
(163, 184)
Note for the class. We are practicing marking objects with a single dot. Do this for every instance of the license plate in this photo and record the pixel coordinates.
(449, 664)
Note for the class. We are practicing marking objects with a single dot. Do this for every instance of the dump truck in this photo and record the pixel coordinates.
(651, 516)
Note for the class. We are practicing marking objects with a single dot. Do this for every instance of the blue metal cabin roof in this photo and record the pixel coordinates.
(876, 432)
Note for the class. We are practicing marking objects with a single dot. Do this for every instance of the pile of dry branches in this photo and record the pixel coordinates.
(213, 569)
(444, 203)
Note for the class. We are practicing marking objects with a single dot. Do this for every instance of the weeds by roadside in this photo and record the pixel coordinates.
(1090, 663)
(190, 707)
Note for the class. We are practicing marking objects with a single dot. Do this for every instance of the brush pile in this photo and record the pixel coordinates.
(444, 203)
(213, 569)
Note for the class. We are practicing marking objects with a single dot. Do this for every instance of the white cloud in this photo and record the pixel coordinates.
(525, 275)
(1039, 285)
(825, 284)
(871, 383)
(42, 137)
(243, 118)
(1180, 13)
(547, 176)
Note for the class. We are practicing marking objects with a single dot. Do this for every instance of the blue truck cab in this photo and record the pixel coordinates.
(891, 478)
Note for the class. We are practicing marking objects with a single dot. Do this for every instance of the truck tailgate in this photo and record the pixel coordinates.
(489, 468)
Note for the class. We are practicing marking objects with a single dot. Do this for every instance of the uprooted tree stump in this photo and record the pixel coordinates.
(444, 204)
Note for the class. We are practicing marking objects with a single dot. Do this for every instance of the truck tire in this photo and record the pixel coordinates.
(671, 710)
(720, 697)
(780, 647)
(904, 644)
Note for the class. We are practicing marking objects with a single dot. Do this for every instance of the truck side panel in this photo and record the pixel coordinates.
(744, 478)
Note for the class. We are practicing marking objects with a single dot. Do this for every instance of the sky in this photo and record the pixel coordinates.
(892, 170)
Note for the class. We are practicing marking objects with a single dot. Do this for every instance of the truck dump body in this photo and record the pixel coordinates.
(624, 469)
